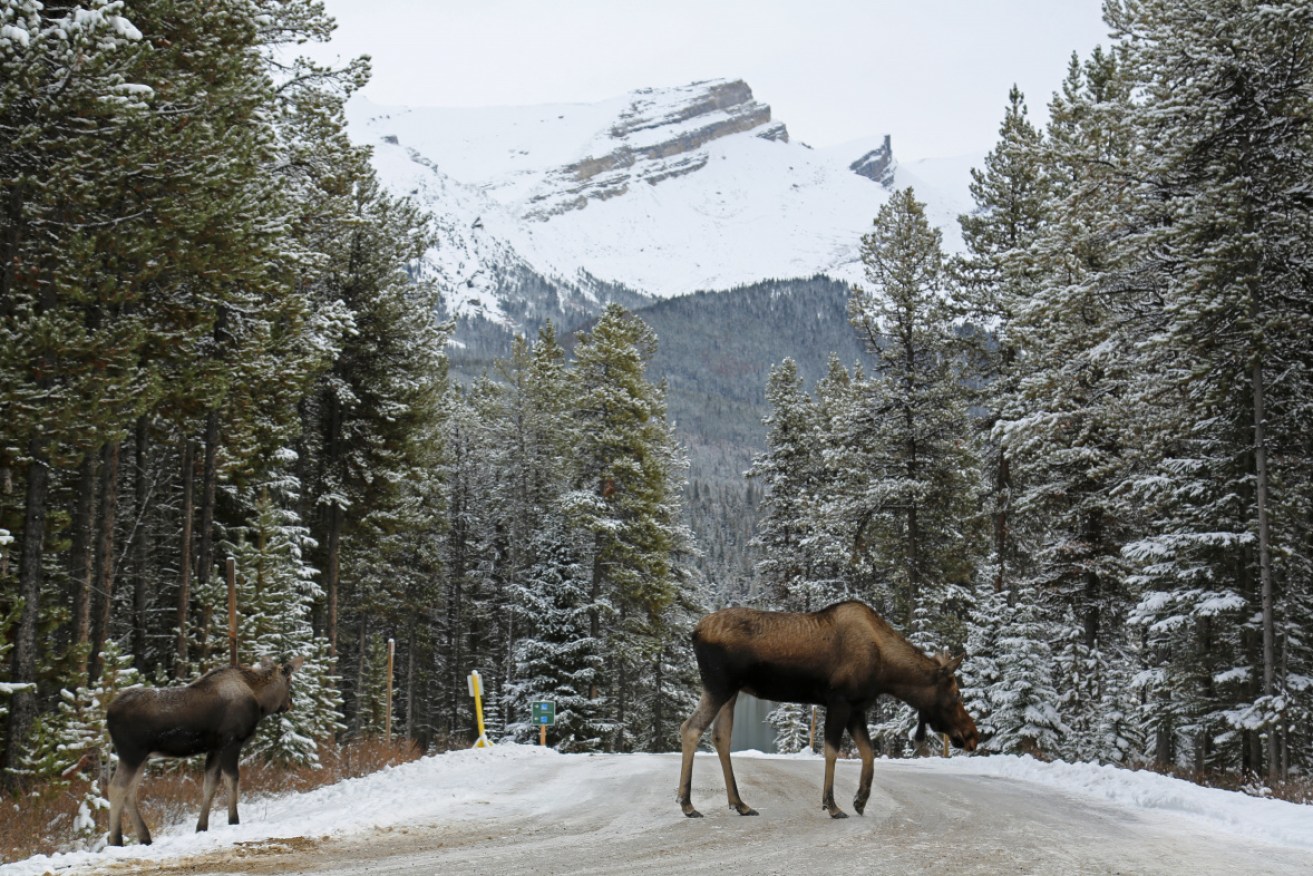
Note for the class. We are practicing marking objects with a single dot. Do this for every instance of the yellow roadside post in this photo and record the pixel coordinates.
(476, 691)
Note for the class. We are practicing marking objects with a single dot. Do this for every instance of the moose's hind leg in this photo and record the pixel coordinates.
(207, 795)
(228, 760)
(118, 794)
(690, 733)
(721, 734)
(138, 823)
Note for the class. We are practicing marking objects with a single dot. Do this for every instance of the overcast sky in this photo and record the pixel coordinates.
(932, 73)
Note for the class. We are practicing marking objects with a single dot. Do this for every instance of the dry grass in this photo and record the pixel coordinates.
(41, 820)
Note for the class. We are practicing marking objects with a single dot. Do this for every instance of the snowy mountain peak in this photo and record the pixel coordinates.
(663, 191)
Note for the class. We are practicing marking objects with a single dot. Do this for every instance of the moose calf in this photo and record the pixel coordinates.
(214, 715)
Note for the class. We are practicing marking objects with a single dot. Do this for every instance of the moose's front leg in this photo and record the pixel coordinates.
(836, 718)
(862, 738)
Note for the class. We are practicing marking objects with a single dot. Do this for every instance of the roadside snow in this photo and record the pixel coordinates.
(461, 786)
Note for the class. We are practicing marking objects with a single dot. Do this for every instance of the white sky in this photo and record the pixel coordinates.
(932, 73)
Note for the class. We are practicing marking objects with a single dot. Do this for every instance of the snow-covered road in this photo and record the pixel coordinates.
(517, 809)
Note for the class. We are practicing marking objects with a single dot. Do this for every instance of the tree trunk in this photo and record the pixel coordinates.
(23, 703)
(141, 546)
(185, 563)
(81, 560)
(1002, 493)
(1265, 556)
(1093, 585)
(209, 488)
(109, 496)
(333, 573)
(410, 680)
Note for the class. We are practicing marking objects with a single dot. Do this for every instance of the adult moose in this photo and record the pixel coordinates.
(841, 657)
(214, 716)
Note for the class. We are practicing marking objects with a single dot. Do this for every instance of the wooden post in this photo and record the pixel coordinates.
(387, 723)
(542, 735)
(232, 611)
(947, 751)
(811, 732)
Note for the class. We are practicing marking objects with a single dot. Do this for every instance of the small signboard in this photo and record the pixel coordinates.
(544, 713)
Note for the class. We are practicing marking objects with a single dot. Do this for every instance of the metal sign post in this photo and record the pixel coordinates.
(476, 691)
(544, 715)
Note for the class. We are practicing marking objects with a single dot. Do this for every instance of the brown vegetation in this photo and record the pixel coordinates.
(41, 820)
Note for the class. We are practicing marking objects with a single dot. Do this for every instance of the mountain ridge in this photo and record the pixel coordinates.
(662, 191)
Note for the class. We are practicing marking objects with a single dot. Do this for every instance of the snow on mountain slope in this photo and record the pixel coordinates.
(663, 191)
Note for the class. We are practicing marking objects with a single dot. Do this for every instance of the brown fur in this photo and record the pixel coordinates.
(841, 657)
(214, 716)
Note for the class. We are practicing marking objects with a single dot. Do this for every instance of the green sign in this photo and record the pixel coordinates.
(544, 712)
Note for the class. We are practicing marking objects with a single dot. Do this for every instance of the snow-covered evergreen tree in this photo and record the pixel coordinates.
(71, 747)
(1023, 703)
(276, 592)
(793, 728)
(790, 473)
(914, 486)
(557, 658)
(627, 496)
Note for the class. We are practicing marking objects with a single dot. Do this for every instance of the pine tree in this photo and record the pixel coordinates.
(71, 748)
(556, 658)
(915, 500)
(275, 596)
(1012, 204)
(626, 497)
(790, 472)
(1062, 416)
(792, 723)
(1023, 704)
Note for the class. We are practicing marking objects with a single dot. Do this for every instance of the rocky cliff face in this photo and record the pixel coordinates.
(877, 165)
(658, 137)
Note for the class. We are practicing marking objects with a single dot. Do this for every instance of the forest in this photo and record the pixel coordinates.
(1080, 452)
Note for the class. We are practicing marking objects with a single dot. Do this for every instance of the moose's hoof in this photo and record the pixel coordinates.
(744, 809)
(836, 812)
(860, 806)
(692, 813)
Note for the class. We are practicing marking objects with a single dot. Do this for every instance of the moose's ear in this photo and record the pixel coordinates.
(955, 663)
(266, 663)
(294, 664)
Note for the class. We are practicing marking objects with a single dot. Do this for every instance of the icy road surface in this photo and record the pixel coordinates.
(518, 810)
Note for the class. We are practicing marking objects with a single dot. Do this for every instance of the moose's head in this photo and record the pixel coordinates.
(276, 693)
(945, 712)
